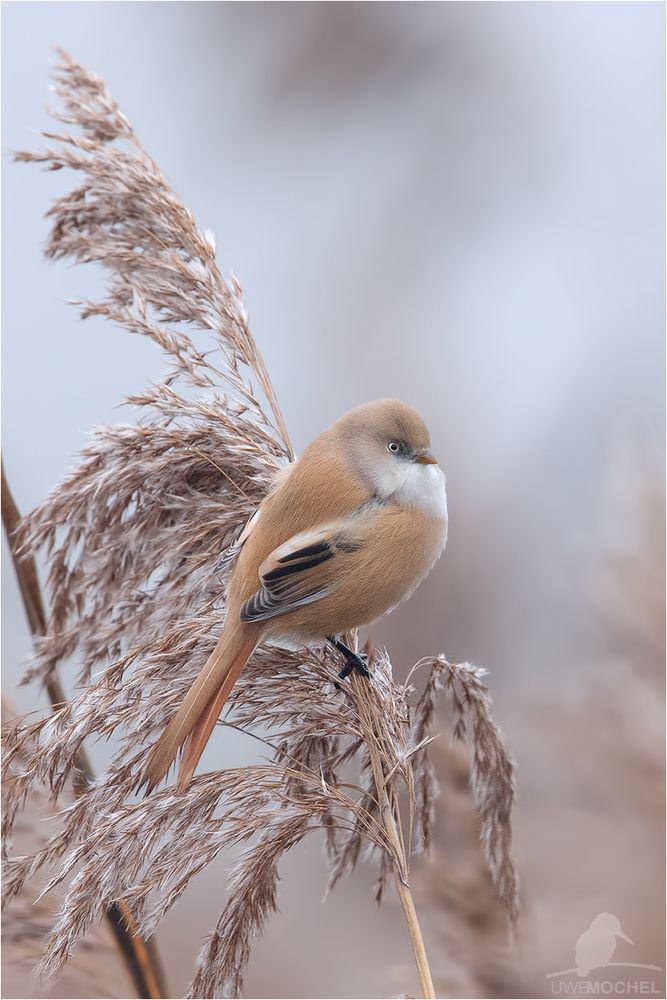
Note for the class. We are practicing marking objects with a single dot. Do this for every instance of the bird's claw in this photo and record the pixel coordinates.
(356, 663)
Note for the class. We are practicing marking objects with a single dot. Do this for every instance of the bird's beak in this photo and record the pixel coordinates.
(624, 936)
(425, 457)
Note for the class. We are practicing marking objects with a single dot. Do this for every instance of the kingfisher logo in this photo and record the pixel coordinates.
(593, 953)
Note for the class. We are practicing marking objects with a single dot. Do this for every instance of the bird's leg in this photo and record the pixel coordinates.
(353, 661)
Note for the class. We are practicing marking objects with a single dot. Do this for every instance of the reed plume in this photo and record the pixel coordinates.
(94, 969)
(139, 540)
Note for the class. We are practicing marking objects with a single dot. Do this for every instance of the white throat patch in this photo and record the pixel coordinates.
(414, 484)
(424, 486)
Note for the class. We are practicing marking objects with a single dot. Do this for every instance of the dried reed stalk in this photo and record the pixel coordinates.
(141, 957)
(93, 971)
(139, 540)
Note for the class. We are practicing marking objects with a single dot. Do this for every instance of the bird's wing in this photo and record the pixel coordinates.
(250, 526)
(280, 478)
(304, 569)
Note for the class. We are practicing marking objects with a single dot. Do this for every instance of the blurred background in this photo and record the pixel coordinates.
(462, 205)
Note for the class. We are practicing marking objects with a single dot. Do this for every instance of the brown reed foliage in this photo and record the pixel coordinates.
(139, 540)
(94, 969)
(141, 956)
(473, 954)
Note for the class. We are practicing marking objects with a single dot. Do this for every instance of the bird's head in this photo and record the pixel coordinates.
(387, 443)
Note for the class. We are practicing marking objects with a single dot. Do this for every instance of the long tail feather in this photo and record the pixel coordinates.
(201, 733)
(224, 660)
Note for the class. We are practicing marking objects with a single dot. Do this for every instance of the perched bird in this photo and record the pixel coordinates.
(348, 532)
(596, 945)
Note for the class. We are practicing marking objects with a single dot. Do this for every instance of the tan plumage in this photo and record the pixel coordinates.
(347, 533)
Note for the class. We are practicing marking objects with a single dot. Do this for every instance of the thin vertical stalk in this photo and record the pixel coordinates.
(392, 829)
(140, 956)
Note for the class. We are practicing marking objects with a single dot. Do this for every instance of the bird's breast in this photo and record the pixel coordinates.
(400, 547)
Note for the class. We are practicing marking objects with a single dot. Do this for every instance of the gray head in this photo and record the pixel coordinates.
(384, 441)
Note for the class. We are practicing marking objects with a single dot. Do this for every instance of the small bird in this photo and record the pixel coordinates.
(597, 944)
(347, 532)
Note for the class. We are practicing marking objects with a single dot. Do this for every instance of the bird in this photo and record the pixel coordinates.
(346, 533)
(596, 946)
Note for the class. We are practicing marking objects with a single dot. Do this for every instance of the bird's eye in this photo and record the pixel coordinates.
(394, 446)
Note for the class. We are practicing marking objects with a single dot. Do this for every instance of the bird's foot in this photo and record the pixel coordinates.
(354, 662)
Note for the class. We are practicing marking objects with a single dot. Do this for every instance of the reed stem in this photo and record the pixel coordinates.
(392, 829)
(140, 956)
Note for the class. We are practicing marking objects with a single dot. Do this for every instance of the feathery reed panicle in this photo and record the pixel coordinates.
(94, 970)
(139, 540)
(492, 778)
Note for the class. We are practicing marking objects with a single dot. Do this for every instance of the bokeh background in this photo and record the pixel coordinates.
(461, 204)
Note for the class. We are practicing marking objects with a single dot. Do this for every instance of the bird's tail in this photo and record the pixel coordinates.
(195, 719)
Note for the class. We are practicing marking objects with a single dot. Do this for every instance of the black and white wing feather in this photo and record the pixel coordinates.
(303, 570)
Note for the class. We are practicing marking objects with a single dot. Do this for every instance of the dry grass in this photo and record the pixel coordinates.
(473, 955)
(139, 541)
(94, 969)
